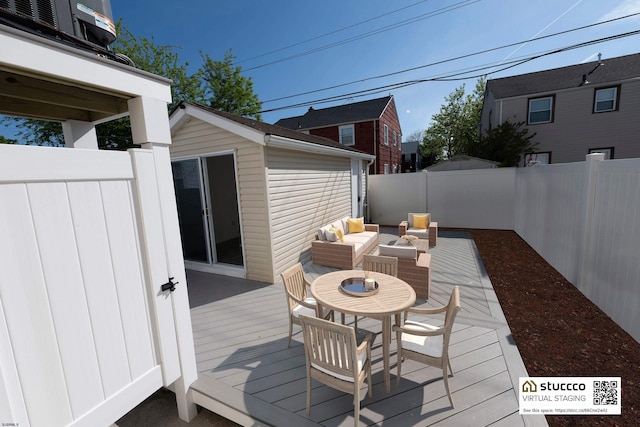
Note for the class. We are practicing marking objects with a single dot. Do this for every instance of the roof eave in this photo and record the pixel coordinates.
(291, 144)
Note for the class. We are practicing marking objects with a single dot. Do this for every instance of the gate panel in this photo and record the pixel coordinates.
(82, 327)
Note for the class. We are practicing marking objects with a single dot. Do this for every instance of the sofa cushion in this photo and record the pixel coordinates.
(399, 251)
(356, 225)
(338, 234)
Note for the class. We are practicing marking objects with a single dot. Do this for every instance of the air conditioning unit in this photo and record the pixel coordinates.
(67, 20)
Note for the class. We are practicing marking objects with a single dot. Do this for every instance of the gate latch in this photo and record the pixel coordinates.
(169, 286)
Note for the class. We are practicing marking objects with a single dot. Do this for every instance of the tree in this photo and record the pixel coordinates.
(5, 140)
(226, 89)
(455, 126)
(505, 143)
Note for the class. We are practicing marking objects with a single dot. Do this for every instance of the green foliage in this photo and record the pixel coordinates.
(36, 132)
(455, 127)
(505, 143)
(226, 89)
(5, 140)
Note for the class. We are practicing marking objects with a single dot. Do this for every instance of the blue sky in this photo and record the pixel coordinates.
(338, 42)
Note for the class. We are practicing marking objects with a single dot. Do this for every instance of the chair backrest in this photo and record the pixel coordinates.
(294, 284)
(452, 309)
(330, 347)
(381, 264)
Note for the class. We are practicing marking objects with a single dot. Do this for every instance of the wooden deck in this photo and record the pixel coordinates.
(247, 373)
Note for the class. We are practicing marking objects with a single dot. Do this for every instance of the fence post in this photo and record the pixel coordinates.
(589, 194)
(150, 128)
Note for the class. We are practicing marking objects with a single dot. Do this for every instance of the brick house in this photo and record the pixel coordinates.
(574, 110)
(370, 126)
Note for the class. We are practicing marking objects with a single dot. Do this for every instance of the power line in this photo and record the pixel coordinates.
(432, 64)
(371, 33)
(330, 33)
(455, 76)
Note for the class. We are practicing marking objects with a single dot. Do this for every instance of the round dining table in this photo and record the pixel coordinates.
(393, 297)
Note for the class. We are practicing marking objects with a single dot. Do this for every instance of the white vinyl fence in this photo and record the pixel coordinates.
(583, 218)
(85, 332)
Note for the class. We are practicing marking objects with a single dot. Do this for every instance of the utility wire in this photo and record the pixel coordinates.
(432, 64)
(371, 33)
(330, 33)
(455, 76)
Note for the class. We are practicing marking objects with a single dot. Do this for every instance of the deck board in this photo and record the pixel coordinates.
(241, 332)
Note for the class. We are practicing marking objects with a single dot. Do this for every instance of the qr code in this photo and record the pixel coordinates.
(605, 392)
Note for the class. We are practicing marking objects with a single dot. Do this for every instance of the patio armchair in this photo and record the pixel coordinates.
(421, 226)
(299, 301)
(426, 343)
(334, 358)
(414, 267)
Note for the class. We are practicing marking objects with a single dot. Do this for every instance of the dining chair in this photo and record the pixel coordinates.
(333, 357)
(426, 343)
(380, 264)
(299, 300)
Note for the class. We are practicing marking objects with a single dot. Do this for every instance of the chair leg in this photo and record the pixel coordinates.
(308, 394)
(445, 376)
(449, 363)
(290, 333)
(356, 405)
(399, 363)
(342, 318)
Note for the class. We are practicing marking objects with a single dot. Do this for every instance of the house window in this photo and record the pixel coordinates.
(608, 152)
(386, 135)
(541, 110)
(347, 136)
(395, 138)
(386, 168)
(606, 100)
(542, 158)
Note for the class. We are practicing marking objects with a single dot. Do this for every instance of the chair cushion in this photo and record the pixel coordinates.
(431, 346)
(362, 358)
(301, 309)
(420, 233)
(398, 251)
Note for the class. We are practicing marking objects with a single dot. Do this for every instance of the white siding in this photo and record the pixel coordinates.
(306, 191)
(199, 138)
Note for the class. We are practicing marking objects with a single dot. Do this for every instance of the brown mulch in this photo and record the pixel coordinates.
(558, 331)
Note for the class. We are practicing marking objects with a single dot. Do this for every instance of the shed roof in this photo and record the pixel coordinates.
(274, 130)
(348, 113)
(596, 73)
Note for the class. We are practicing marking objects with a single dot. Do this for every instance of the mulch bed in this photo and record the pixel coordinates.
(558, 331)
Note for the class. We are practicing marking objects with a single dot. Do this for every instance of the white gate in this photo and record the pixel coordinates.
(85, 333)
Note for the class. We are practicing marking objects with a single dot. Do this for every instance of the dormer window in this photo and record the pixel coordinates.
(606, 100)
(347, 135)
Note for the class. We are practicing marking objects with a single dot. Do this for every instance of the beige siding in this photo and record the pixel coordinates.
(306, 191)
(200, 138)
(576, 129)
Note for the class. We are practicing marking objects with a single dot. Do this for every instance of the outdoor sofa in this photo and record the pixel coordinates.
(330, 251)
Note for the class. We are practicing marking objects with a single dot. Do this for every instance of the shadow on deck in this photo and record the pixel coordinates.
(248, 375)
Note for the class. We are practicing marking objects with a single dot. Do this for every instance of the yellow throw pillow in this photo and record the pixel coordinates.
(420, 221)
(356, 225)
(338, 233)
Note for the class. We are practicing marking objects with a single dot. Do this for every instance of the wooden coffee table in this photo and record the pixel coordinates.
(393, 297)
(421, 244)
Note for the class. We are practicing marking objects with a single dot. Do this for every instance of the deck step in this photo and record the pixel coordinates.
(234, 405)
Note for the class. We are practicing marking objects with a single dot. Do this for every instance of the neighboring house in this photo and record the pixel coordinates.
(267, 190)
(462, 162)
(411, 157)
(371, 126)
(574, 110)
